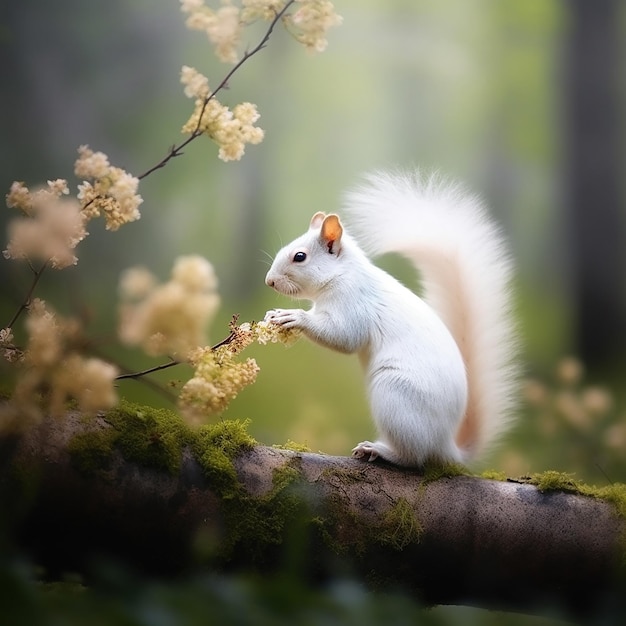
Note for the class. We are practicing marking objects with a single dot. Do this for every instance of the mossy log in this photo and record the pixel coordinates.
(73, 489)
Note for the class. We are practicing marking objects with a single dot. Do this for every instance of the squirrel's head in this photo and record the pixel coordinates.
(303, 267)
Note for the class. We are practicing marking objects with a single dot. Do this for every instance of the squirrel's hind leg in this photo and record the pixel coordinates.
(369, 451)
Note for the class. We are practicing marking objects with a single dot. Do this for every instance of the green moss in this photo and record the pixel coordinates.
(215, 446)
(322, 528)
(150, 437)
(400, 526)
(256, 524)
(252, 523)
(341, 530)
(283, 506)
(293, 446)
(157, 438)
(557, 481)
(616, 495)
(91, 451)
(339, 516)
(435, 470)
(282, 478)
(493, 475)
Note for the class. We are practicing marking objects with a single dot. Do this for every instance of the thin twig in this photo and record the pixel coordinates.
(150, 370)
(224, 342)
(172, 362)
(29, 295)
(176, 150)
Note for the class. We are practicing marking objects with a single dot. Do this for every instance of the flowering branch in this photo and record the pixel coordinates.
(177, 150)
(172, 362)
(219, 376)
(171, 318)
(95, 197)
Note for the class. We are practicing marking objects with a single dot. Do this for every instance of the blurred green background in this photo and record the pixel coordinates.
(521, 100)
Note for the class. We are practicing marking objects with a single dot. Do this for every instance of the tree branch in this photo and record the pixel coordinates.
(172, 362)
(177, 150)
(27, 300)
(150, 370)
(451, 540)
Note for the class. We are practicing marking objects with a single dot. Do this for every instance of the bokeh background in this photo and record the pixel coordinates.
(522, 100)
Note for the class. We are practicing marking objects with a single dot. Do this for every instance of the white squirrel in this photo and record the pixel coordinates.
(440, 370)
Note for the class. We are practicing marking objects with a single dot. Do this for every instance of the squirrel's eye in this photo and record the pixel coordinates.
(298, 257)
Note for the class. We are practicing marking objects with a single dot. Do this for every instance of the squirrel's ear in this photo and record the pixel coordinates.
(316, 220)
(331, 233)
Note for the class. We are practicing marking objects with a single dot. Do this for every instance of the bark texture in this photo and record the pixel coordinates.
(456, 539)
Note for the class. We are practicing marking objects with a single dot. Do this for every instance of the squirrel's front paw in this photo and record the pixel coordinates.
(287, 318)
(365, 450)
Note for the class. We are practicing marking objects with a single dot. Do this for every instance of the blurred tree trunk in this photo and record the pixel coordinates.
(444, 539)
(594, 165)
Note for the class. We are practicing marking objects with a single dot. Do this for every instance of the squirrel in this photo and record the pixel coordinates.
(440, 369)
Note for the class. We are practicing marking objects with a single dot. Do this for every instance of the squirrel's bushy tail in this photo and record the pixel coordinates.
(466, 273)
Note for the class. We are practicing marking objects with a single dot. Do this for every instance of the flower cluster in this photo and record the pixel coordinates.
(111, 191)
(308, 24)
(265, 10)
(230, 129)
(221, 26)
(10, 352)
(50, 226)
(54, 371)
(265, 332)
(219, 376)
(196, 84)
(168, 319)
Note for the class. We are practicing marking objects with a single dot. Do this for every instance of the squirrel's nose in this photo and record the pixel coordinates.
(269, 281)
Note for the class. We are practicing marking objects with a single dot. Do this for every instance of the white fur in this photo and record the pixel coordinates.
(427, 365)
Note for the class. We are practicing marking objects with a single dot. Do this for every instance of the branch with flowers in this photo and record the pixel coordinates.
(49, 352)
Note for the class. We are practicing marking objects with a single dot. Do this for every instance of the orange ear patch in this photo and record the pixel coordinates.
(331, 233)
